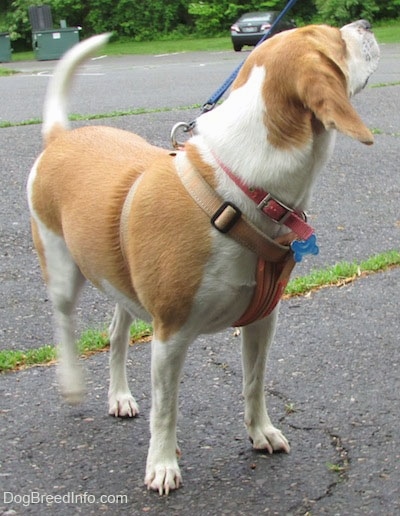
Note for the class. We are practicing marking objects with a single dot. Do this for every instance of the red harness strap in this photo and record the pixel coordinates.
(271, 281)
(272, 207)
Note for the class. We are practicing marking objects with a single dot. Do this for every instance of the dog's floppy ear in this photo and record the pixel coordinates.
(324, 93)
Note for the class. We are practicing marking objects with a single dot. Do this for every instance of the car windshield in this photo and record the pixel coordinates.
(268, 17)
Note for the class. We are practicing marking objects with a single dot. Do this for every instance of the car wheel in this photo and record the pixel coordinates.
(237, 47)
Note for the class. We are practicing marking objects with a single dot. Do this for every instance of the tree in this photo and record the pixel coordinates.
(340, 12)
(147, 19)
(156, 19)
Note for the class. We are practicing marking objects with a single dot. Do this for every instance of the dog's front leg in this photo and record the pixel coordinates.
(162, 470)
(256, 339)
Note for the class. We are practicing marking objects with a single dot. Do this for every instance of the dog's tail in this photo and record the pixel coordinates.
(55, 114)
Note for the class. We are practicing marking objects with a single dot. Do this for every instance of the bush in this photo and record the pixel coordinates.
(160, 19)
(340, 12)
(147, 19)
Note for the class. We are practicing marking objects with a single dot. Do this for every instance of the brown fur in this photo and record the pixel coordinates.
(165, 241)
(80, 198)
(305, 79)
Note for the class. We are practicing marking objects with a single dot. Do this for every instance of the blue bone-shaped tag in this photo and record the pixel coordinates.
(302, 247)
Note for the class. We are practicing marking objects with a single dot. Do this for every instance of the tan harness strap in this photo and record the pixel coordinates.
(275, 261)
(228, 219)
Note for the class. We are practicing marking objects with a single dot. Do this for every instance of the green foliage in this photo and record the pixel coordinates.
(340, 12)
(213, 17)
(144, 20)
(147, 20)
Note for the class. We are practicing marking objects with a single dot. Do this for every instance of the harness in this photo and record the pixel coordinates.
(276, 257)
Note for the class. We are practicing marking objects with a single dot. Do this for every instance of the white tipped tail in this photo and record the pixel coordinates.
(55, 113)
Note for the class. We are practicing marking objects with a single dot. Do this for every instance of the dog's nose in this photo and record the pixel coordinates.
(359, 25)
(365, 24)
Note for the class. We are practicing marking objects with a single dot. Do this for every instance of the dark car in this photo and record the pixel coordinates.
(251, 27)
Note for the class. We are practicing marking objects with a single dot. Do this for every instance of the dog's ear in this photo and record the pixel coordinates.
(324, 93)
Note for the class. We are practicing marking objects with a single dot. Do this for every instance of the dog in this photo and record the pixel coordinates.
(135, 219)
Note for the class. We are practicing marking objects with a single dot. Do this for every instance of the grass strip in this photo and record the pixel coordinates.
(93, 341)
(341, 273)
(384, 84)
(113, 114)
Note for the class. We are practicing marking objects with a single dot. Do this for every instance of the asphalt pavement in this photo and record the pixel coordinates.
(332, 379)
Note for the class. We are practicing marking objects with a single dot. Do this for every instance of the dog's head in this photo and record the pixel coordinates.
(309, 75)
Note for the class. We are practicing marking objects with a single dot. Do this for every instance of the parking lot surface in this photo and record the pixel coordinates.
(332, 378)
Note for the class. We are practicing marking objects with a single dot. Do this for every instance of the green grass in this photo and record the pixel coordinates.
(384, 84)
(93, 341)
(119, 48)
(169, 46)
(342, 273)
(112, 114)
(389, 32)
(15, 359)
(4, 72)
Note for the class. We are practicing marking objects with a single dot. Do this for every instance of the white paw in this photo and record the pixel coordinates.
(163, 477)
(72, 383)
(268, 438)
(122, 404)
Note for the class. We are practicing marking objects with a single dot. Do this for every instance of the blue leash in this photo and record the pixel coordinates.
(211, 102)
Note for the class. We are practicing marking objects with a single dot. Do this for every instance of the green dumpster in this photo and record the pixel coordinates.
(5, 47)
(53, 43)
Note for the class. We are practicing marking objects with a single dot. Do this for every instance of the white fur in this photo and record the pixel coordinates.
(55, 105)
(236, 133)
(363, 57)
(65, 281)
(228, 130)
(120, 400)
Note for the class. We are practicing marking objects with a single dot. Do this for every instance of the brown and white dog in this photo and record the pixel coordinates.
(109, 207)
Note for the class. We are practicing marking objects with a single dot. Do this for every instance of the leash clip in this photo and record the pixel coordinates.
(181, 127)
(208, 106)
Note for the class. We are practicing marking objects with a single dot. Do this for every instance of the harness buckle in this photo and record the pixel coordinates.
(225, 217)
(276, 210)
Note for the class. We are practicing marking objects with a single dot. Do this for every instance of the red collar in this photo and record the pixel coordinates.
(272, 207)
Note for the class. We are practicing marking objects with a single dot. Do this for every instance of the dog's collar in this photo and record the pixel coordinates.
(272, 207)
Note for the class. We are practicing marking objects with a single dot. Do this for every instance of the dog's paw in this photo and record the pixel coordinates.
(163, 477)
(268, 438)
(72, 384)
(122, 405)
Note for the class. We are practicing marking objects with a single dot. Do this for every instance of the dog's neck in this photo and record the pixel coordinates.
(236, 133)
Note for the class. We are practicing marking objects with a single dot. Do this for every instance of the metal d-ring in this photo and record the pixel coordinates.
(182, 127)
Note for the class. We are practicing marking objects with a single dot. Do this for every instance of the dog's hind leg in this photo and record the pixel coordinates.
(120, 400)
(256, 339)
(64, 281)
